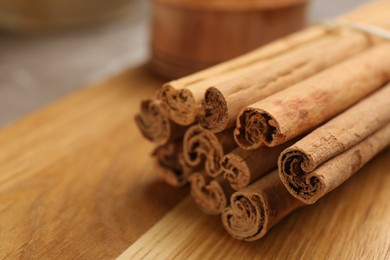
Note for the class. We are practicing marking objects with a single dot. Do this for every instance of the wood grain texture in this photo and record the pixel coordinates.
(352, 222)
(75, 177)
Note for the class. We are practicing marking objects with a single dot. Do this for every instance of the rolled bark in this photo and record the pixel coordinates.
(181, 99)
(170, 165)
(211, 195)
(256, 208)
(242, 167)
(223, 102)
(309, 187)
(154, 125)
(202, 147)
(296, 110)
(319, 162)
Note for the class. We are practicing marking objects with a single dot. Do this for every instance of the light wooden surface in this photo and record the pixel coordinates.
(76, 183)
(75, 177)
(352, 222)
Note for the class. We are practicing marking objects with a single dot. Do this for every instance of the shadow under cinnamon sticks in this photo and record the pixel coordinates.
(170, 165)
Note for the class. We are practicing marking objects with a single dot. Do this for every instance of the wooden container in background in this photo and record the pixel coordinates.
(190, 35)
(41, 16)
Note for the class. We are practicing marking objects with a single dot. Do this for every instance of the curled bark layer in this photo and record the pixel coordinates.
(309, 187)
(300, 108)
(181, 99)
(223, 102)
(202, 147)
(256, 208)
(242, 167)
(211, 195)
(353, 135)
(154, 125)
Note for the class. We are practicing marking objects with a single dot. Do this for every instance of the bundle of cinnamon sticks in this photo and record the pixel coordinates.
(278, 128)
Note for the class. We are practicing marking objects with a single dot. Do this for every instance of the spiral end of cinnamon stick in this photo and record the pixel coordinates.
(202, 146)
(303, 185)
(245, 218)
(153, 125)
(258, 207)
(236, 171)
(256, 128)
(208, 194)
(178, 104)
(215, 117)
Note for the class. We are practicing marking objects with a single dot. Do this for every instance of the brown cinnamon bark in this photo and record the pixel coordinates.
(309, 187)
(170, 165)
(242, 167)
(155, 126)
(223, 102)
(211, 195)
(333, 152)
(294, 111)
(256, 208)
(181, 99)
(202, 147)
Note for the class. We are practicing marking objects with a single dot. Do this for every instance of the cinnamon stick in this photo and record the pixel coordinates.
(202, 147)
(242, 167)
(333, 152)
(294, 111)
(211, 195)
(256, 208)
(154, 125)
(181, 99)
(223, 102)
(170, 165)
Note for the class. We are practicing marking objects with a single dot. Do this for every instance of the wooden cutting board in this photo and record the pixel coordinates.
(76, 182)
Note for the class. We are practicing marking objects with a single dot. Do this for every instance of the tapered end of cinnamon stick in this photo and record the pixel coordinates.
(256, 128)
(153, 125)
(302, 184)
(212, 196)
(178, 104)
(215, 117)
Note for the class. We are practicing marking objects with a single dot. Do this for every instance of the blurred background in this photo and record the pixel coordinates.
(42, 60)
